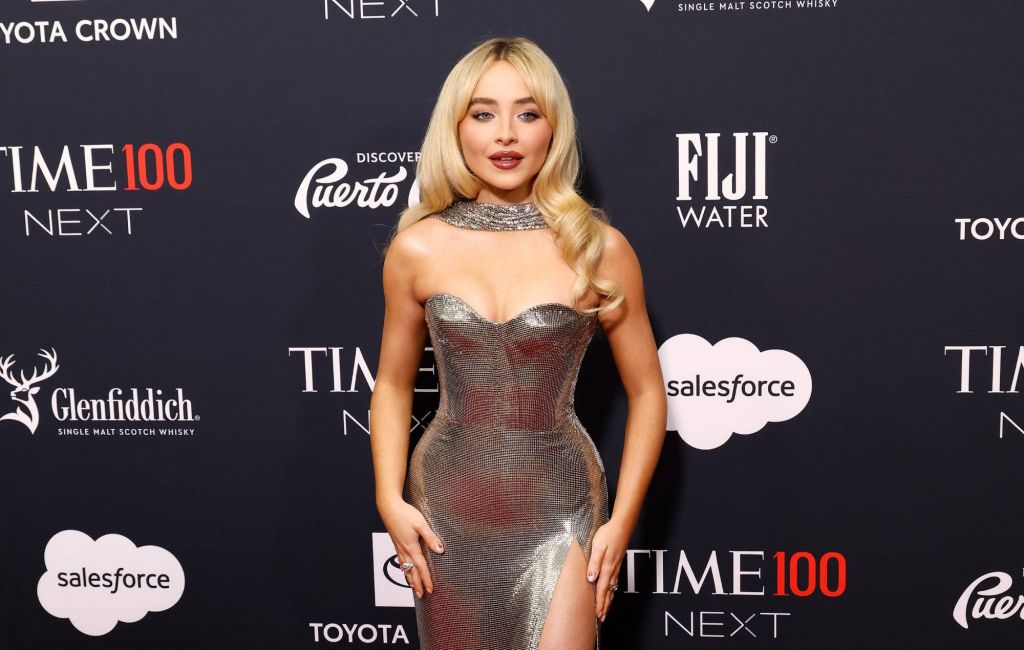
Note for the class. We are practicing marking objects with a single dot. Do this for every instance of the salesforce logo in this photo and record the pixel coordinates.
(97, 584)
(714, 391)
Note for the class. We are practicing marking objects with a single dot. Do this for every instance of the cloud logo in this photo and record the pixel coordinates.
(731, 387)
(97, 584)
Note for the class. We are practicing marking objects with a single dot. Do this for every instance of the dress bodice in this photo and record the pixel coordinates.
(520, 373)
(517, 374)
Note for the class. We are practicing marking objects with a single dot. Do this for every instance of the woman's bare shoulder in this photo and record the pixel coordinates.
(416, 241)
(410, 252)
(616, 250)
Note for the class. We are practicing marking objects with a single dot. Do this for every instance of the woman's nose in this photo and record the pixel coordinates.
(507, 131)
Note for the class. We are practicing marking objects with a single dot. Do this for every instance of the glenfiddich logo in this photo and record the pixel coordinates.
(25, 389)
(138, 408)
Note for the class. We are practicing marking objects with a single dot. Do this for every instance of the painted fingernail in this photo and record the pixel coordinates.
(602, 618)
(440, 547)
(590, 576)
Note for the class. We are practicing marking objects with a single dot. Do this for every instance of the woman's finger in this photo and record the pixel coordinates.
(414, 575)
(422, 573)
(421, 564)
(603, 600)
(410, 575)
(609, 576)
(594, 566)
(430, 537)
(602, 593)
(609, 595)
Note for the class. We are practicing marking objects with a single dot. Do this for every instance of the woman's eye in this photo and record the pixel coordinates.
(529, 115)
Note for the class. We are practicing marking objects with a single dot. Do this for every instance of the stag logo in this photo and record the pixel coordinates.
(25, 389)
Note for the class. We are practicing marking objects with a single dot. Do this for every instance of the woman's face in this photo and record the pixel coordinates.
(503, 121)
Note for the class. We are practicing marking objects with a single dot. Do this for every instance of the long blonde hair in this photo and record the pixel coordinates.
(444, 176)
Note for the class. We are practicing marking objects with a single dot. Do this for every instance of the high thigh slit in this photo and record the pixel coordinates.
(591, 600)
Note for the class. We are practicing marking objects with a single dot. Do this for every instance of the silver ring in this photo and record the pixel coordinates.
(613, 587)
(407, 567)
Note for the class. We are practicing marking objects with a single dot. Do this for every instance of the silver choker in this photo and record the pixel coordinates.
(492, 216)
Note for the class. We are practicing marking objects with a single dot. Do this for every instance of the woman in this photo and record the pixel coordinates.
(502, 522)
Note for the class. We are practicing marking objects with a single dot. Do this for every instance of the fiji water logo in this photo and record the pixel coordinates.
(24, 392)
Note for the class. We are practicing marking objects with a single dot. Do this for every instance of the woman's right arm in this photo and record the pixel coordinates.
(401, 352)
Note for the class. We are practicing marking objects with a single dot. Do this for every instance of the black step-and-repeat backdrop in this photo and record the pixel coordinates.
(824, 196)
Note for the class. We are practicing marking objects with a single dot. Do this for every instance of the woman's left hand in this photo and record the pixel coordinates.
(607, 550)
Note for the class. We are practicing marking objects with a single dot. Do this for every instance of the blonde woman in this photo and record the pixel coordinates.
(500, 516)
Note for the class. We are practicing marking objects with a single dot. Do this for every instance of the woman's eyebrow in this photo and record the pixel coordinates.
(492, 102)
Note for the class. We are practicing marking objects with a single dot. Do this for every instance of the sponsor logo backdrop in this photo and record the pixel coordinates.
(825, 199)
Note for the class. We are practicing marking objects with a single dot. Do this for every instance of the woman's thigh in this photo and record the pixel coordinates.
(571, 617)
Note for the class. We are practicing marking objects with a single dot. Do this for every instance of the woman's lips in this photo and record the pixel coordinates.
(506, 163)
(506, 159)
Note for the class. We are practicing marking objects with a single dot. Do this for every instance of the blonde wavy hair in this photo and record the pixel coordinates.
(445, 178)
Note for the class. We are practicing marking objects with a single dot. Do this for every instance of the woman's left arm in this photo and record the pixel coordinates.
(629, 334)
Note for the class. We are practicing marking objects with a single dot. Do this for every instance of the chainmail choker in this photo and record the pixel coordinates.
(492, 216)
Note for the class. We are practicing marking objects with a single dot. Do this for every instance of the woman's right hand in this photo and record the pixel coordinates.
(406, 524)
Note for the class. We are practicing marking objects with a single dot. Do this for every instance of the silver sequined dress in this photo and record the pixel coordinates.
(505, 473)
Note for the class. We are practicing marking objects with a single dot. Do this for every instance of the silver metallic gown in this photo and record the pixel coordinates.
(505, 473)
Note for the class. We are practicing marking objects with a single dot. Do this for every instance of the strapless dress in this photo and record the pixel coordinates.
(505, 473)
